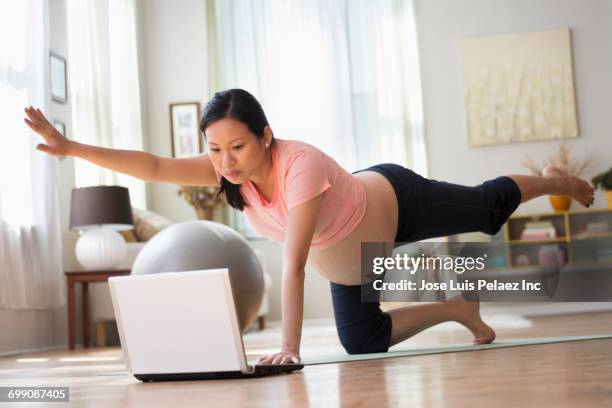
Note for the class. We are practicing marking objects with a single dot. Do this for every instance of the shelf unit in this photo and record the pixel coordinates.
(572, 243)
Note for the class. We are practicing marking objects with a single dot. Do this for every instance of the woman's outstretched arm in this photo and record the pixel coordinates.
(197, 170)
(302, 222)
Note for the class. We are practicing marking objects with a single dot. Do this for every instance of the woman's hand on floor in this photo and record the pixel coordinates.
(282, 357)
(56, 144)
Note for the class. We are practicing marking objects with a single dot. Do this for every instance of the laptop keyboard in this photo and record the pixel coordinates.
(277, 368)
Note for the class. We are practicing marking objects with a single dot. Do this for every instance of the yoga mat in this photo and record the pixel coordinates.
(497, 344)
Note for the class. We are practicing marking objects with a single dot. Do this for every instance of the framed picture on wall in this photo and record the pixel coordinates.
(58, 78)
(185, 129)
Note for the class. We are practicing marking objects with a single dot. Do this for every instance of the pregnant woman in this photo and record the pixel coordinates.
(296, 194)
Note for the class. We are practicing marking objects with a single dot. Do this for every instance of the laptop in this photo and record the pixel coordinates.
(182, 326)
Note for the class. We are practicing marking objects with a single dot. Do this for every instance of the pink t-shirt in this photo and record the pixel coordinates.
(302, 172)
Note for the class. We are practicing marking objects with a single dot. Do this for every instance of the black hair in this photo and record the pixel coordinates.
(240, 105)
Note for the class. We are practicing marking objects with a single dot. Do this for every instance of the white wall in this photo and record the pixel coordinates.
(442, 23)
(174, 67)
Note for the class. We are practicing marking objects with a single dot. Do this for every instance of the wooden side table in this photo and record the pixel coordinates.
(84, 278)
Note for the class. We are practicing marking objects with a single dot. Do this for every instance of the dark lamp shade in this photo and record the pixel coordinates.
(101, 205)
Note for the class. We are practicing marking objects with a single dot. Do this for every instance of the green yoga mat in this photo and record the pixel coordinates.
(497, 344)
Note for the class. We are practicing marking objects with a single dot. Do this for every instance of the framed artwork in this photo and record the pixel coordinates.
(519, 87)
(185, 129)
(58, 78)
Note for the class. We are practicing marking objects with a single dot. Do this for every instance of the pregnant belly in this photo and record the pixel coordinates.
(341, 263)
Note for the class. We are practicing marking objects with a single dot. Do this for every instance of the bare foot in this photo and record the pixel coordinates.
(578, 189)
(467, 309)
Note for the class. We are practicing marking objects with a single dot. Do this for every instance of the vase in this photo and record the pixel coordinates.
(609, 198)
(560, 203)
(205, 213)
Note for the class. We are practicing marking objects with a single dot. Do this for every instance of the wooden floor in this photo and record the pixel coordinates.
(574, 374)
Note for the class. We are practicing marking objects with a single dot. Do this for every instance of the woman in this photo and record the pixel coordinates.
(292, 192)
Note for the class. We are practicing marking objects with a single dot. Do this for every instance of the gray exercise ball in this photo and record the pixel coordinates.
(193, 245)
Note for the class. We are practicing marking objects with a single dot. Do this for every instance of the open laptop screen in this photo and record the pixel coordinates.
(178, 322)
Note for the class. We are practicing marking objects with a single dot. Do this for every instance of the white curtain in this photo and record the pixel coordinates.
(105, 88)
(341, 75)
(30, 237)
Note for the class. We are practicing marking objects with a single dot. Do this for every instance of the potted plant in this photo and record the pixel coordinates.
(565, 161)
(203, 199)
(604, 181)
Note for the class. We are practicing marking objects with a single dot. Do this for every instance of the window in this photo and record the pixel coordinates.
(16, 72)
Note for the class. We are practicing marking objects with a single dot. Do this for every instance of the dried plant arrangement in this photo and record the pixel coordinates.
(203, 199)
(564, 159)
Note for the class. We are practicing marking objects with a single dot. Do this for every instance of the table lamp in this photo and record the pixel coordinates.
(98, 212)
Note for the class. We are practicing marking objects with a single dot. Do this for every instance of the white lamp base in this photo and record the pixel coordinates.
(100, 248)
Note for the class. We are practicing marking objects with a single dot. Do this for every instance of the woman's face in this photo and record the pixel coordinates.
(234, 150)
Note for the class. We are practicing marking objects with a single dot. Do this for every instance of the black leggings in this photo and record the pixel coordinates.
(426, 209)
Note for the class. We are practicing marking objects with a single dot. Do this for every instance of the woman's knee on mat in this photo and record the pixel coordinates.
(371, 335)
(365, 346)
(362, 349)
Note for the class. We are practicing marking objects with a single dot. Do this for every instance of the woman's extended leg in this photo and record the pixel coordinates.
(431, 208)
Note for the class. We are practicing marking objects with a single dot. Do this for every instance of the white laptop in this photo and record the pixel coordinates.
(182, 326)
